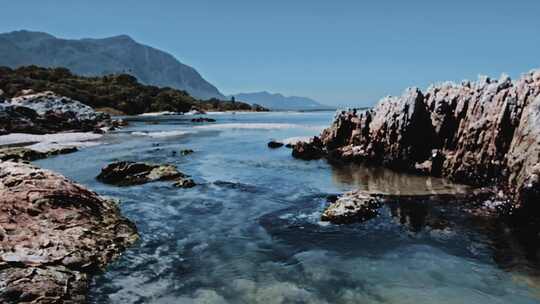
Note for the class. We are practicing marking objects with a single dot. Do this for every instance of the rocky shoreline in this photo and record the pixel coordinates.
(54, 235)
(483, 134)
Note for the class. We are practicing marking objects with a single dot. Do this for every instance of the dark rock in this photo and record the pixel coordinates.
(274, 144)
(309, 150)
(186, 151)
(185, 183)
(203, 119)
(126, 173)
(54, 234)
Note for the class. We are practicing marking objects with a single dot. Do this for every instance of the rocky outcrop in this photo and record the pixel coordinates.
(54, 234)
(484, 133)
(47, 112)
(127, 173)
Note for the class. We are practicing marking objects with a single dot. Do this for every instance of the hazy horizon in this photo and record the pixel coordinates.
(350, 54)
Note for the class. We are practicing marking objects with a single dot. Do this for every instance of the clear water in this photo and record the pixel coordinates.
(250, 231)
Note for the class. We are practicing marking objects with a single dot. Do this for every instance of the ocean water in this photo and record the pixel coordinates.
(250, 231)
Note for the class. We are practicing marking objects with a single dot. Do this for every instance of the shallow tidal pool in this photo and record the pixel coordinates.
(250, 231)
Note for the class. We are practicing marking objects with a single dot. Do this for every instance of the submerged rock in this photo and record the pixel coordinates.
(203, 119)
(126, 173)
(481, 134)
(186, 151)
(274, 144)
(54, 233)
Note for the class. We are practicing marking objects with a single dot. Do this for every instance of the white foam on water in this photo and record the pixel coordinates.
(258, 126)
(57, 138)
(159, 113)
(295, 140)
(162, 134)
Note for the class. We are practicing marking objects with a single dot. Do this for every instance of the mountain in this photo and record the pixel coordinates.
(98, 57)
(279, 102)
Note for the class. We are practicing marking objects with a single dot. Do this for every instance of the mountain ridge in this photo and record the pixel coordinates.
(102, 56)
(278, 101)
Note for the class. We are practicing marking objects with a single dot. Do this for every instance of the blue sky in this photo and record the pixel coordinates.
(338, 52)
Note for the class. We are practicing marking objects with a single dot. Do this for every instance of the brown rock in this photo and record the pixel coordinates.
(127, 173)
(54, 233)
(485, 133)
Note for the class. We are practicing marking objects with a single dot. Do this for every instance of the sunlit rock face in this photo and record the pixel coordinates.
(484, 133)
(47, 112)
(53, 234)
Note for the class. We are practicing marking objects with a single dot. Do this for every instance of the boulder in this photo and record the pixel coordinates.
(274, 144)
(352, 207)
(185, 183)
(126, 173)
(27, 154)
(54, 235)
(186, 151)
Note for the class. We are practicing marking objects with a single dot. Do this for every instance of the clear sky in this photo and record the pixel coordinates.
(338, 52)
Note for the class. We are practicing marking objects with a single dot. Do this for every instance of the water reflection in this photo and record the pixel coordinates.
(383, 180)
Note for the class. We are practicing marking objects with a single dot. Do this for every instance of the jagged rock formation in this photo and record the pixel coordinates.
(125, 173)
(98, 57)
(47, 112)
(485, 133)
(54, 234)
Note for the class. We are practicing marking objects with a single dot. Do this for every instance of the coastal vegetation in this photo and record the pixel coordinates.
(120, 92)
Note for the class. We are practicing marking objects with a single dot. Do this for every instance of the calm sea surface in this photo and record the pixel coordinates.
(250, 231)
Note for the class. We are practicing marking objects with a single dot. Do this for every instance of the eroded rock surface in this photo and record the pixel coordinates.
(47, 112)
(484, 133)
(352, 207)
(53, 235)
(126, 173)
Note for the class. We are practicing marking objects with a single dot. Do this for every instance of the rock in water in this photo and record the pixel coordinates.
(352, 207)
(27, 154)
(186, 151)
(485, 133)
(127, 173)
(185, 183)
(274, 144)
(53, 235)
(203, 119)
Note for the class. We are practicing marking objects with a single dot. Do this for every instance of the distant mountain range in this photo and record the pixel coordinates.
(279, 102)
(122, 54)
(98, 57)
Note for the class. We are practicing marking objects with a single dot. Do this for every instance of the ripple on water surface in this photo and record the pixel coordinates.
(250, 231)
